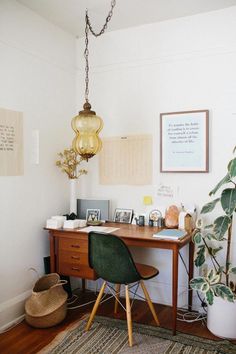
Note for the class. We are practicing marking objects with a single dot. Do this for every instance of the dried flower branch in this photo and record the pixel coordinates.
(68, 163)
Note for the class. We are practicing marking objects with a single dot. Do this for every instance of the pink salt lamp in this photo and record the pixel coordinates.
(172, 217)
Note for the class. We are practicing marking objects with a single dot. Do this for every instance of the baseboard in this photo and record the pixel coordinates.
(12, 324)
(12, 310)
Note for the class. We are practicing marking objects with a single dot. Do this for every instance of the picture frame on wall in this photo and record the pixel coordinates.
(184, 141)
(123, 215)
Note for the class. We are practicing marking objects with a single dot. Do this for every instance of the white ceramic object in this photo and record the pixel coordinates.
(71, 224)
(182, 215)
(221, 318)
(54, 224)
(73, 201)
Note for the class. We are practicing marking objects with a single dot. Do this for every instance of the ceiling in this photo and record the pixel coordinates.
(69, 14)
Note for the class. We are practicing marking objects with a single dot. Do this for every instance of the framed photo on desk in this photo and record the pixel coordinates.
(184, 138)
(93, 214)
(123, 215)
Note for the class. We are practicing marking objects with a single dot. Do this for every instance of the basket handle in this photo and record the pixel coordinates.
(60, 283)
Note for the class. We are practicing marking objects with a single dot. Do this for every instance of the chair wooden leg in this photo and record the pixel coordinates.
(117, 298)
(150, 304)
(96, 306)
(128, 315)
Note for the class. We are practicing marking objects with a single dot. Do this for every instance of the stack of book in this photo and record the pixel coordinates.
(170, 234)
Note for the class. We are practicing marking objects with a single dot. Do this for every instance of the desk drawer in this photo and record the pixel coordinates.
(81, 271)
(73, 257)
(74, 245)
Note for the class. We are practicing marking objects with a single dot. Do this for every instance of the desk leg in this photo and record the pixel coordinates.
(190, 276)
(175, 264)
(52, 254)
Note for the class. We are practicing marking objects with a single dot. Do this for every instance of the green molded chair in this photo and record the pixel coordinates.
(111, 259)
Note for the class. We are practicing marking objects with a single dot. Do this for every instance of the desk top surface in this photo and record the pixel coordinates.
(131, 234)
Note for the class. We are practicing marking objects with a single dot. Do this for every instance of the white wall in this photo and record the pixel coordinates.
(37, 71)
(136, 74)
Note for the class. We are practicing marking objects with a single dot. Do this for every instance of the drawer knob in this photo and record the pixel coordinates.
(75, 257)
(75, 268)
(75, 246)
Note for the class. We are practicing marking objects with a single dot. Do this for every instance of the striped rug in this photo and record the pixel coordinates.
(109, 336)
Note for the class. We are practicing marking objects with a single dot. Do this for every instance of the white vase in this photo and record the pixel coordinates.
(73, 195)
(221, 318)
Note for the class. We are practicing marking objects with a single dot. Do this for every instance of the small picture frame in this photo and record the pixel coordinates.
(155, 215)
(123, 215)
(93, 215)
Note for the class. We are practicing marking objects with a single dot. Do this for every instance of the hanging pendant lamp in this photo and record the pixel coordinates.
(87, 125)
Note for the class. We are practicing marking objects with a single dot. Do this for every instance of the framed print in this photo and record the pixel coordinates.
(184, 141)
(93, 214)
(123, 215)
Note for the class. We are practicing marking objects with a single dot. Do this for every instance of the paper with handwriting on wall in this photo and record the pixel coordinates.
(105, 229)
(11, 143)
(126, 160)
(165, 191)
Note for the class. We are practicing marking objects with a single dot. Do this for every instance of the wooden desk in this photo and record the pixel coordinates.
(69, 253)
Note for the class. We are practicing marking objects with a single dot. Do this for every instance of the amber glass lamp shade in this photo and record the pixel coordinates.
(87, 126)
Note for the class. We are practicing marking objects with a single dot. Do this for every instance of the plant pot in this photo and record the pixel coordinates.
(221, 318)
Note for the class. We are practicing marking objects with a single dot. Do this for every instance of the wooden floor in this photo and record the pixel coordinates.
(24, 339)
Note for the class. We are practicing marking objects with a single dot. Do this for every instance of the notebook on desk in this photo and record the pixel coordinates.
(170, 234)
(105, 229)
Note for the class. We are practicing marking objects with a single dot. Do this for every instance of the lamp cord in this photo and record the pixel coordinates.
(88, 27)
(203, 302)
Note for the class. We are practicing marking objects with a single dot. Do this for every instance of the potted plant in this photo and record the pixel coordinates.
(211, 242)
(68, 163)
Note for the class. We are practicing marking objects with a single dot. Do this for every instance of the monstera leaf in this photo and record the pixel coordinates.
(232, 168)
(228, 200)
(213, 277)
(209, 206)
(224, 292)
(210, 296)
(224, 180)
(197, 238)
(214, 251)
(232, 270)
(211, 236)
(221, 225)
(200, 258)
(205, 287)
(197, 283)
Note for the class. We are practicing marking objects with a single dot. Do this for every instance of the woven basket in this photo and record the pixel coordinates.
(46, 307)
